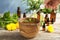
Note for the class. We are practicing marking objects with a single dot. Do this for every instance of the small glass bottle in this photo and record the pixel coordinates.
(53, 16)
(38, 15)
(43, 27)
(52, 21)
(24, 15)
(46, 16)
(18, 12)
(48, 21)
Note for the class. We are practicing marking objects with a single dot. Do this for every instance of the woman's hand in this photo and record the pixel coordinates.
(52, 4)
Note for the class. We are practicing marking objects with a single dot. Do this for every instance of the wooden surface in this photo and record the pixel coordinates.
(14, 35)
(42, 35)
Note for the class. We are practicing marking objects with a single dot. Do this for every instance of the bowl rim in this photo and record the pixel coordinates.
(22, 19)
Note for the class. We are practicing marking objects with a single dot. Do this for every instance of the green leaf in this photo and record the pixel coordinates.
(34, 5)
(45, 10)
(59, 9)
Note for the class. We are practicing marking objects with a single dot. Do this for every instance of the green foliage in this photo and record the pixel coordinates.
(45, 10)
(59, 9)
(1, 22)
(6, 19)
(34, 4)
(6, 16)
(14, 18)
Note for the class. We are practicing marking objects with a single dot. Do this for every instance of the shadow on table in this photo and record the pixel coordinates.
(12, 36)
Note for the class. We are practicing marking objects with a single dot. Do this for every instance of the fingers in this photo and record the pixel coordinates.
(52, 4)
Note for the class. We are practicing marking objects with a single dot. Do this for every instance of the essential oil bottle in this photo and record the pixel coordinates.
(24, 15)
(18, 12)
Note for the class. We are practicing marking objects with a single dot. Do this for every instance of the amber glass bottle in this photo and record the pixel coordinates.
(18, 12)
(43, 27)
(46, 16)
(52, 16)
(38, 15)
(24, 15)
(47, 19)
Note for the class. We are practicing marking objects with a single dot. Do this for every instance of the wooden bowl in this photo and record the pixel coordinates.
(29, 29)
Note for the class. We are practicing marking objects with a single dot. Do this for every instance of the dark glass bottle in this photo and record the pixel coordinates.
(52, 21)
(48, 21)
(24, 15)
(38, 15)
(46, 16)
(43, 27)
(18, 12)
(53, 16)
